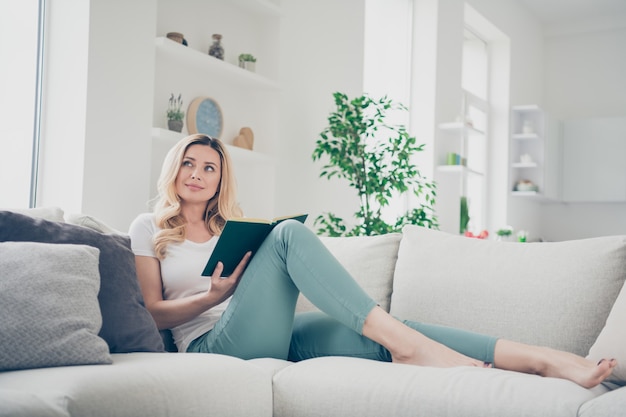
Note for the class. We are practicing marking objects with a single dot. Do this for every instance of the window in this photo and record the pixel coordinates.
(20, 22)
(476, 112)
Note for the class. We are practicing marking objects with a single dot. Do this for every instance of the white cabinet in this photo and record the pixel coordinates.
(535, 153)
(593, 160)
(246, 99)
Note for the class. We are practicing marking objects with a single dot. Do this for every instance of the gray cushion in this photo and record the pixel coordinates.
(556, 294)
(369, 259)
(49, 306)
(127, 326)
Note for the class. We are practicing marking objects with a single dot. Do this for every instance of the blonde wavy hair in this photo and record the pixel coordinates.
(167, 208)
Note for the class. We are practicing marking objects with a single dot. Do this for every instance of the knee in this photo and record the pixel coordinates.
(290, 229)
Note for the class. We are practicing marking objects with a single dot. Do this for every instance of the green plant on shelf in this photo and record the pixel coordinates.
(246, 58)
(175, 108)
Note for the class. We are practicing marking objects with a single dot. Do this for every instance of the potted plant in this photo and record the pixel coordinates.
(175, 113)
(375, 157)
(247, 61)
(504, 233)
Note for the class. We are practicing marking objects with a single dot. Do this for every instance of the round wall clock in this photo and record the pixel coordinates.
(204, 115)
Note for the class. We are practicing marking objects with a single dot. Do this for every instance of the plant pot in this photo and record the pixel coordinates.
(175, 125)
(247, 65)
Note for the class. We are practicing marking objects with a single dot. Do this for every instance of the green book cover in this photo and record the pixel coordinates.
(240, 236)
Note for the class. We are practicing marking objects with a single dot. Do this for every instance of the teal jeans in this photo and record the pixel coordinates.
(260, 319)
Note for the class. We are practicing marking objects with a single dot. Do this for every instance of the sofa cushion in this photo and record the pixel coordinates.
(612, 404)
(556, 294)
(353, 387)
(148, 384)
(49, 306)
(127, 326)
(369, 259)
(611, 343)
(54, 214)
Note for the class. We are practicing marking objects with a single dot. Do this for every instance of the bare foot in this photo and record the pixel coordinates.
(423, 351)
(551, 363)
(575, 368)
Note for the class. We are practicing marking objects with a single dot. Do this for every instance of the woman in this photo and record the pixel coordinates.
(251, 312)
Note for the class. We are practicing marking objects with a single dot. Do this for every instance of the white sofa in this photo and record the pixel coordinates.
(567, 295)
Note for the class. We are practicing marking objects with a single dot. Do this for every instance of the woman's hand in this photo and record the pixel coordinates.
(224, 287)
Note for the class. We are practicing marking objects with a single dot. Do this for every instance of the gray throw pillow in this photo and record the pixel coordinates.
(127, 326)
(49, 306)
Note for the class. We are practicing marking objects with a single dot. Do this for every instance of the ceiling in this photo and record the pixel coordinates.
(559, 11)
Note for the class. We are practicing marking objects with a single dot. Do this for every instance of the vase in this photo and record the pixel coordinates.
(247, 65)
(217, 50)
(175, 36)
(175, 125)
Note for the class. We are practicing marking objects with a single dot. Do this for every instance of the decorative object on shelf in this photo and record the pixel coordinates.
(505, 233)
(175, 113)
(247, 61)
(217, 50)
(245, 139)
(526, 158)
(484, 234)
(177, 37)
(465, 217)
(522, 236)
(455, 159)
(527, 127)
(375, 158)
(204, 115)
(526, 185)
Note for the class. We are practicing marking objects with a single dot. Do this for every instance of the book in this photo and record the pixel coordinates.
(239, 236)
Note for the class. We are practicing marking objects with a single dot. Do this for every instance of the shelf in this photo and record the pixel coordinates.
(533, 195)
(522, 165)
(457, 127)
(239, 154)
(526, 108)
(262, 7)
(525, 136)
(459, 169)
(186, 56)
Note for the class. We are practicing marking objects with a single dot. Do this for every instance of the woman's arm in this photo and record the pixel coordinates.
(171, 313)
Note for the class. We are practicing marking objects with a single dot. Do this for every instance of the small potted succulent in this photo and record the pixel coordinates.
(175, 113)
(247, 61)
(504, 233)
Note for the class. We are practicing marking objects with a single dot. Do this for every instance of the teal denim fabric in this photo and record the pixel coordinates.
(259, 321)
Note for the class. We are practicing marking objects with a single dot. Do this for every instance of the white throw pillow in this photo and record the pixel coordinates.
(556, 294)
(369, 259)
(611, 343)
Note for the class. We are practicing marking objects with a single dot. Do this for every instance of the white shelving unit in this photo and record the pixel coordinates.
(460, 173)
(534, 160)
(246, 99)
(200, 61)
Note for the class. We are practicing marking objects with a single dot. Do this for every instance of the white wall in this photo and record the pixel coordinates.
(584, 75)
(98, 108)
(320, 53)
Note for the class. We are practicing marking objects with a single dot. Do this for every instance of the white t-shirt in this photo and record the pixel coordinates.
(181, 275)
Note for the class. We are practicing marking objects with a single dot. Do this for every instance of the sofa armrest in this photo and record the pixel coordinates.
(611, 404)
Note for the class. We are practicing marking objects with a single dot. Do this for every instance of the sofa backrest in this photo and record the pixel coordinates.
(556, 294)
(369, 259)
